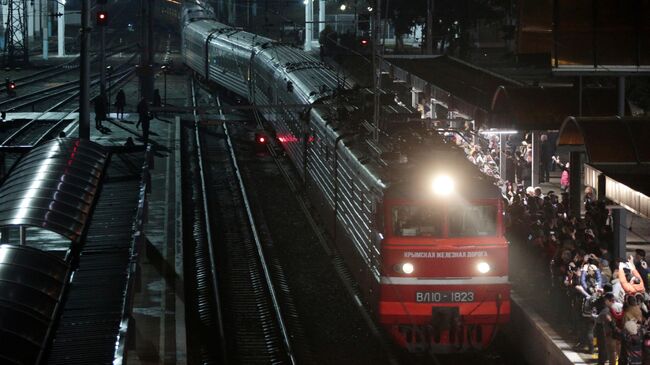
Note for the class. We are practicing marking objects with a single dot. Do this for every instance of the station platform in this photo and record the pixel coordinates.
(538, 326)
(158, 304)
(158, 310)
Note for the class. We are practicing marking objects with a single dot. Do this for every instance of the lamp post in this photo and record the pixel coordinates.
(165, 69)
(109, 70)
(61, 28)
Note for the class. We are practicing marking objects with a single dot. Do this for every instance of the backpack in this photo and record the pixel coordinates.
(589, 307)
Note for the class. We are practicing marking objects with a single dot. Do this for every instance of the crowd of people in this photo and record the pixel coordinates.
(598, 295)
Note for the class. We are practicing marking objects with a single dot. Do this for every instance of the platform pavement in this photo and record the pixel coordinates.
(159, 304)
(159, 310)
(537, 324)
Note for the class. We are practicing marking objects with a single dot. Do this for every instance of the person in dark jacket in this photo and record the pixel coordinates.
(633, 343)
(157, 101)
(641, 266)
(144, 118)
(545, 158)
(606, 332)
(120, 103)
(100, 110)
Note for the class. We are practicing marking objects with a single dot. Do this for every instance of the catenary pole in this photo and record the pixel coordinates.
(84, 79)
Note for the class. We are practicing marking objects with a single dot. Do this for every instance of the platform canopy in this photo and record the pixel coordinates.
(53, 187)
(461, 86)
(617, 153)
(31, 287)
(531, 108)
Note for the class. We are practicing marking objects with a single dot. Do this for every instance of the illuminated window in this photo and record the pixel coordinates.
(472, 220)
(417, 221)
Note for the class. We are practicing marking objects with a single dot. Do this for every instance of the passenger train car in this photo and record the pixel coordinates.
(419, 226)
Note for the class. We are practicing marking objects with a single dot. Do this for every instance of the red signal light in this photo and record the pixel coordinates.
(12, 85)
(102, 18)
(364, 42)
(260, 138)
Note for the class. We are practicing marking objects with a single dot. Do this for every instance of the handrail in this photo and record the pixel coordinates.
(137, 245)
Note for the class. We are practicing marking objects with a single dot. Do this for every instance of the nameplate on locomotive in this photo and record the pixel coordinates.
(444, 255)
(444, 296)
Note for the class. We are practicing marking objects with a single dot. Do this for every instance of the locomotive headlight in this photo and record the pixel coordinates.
(407, 268)
(443, 185)
(483, 267)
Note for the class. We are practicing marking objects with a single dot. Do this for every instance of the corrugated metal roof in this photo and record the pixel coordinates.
(31, 286)
(53, 187)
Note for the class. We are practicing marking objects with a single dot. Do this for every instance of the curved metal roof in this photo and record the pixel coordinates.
(31, 286)
(608, 139)
(53, 187)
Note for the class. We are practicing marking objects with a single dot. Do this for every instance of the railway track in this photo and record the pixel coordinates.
(33, 132)
(50, 74)
(232, 293)
(61, 93)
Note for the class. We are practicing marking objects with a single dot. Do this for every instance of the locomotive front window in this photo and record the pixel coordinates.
(472, 220)
(417, 221)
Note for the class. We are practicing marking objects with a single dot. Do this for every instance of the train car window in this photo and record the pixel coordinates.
(417, 221)
(472, 220)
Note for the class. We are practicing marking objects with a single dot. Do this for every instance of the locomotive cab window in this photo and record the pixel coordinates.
(417, 221)
(472, 220)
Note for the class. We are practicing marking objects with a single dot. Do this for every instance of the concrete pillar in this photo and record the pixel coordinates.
(534, 165)
(60, 34)
(415, 98)
(309, 22)
(575, 182)
(3, 21)
(30, 19)
(321, 16)
(232, 13)
(602, 187)
(45, 34)
(619, 215)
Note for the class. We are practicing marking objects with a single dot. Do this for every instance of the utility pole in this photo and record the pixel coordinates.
(145, 69)
(44, 31)
(84, 79)
(61, 27)
(102, 55)
(321, 17)
(376, 70)
(430, 4)
(16, 50)
(309, 23)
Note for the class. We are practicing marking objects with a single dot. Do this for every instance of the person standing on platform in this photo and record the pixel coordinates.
(545, 158)
(157, 101)
(606, 332)
(120, 103)
(632, 342)
(100, 111)
(144, 118)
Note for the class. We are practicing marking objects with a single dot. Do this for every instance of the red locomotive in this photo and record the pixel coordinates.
(445, 280)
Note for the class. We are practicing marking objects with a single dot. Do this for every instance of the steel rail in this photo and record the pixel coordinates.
(60, 89)
(267, 275)
(208, 231)
(28, 125)
(59, 70)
